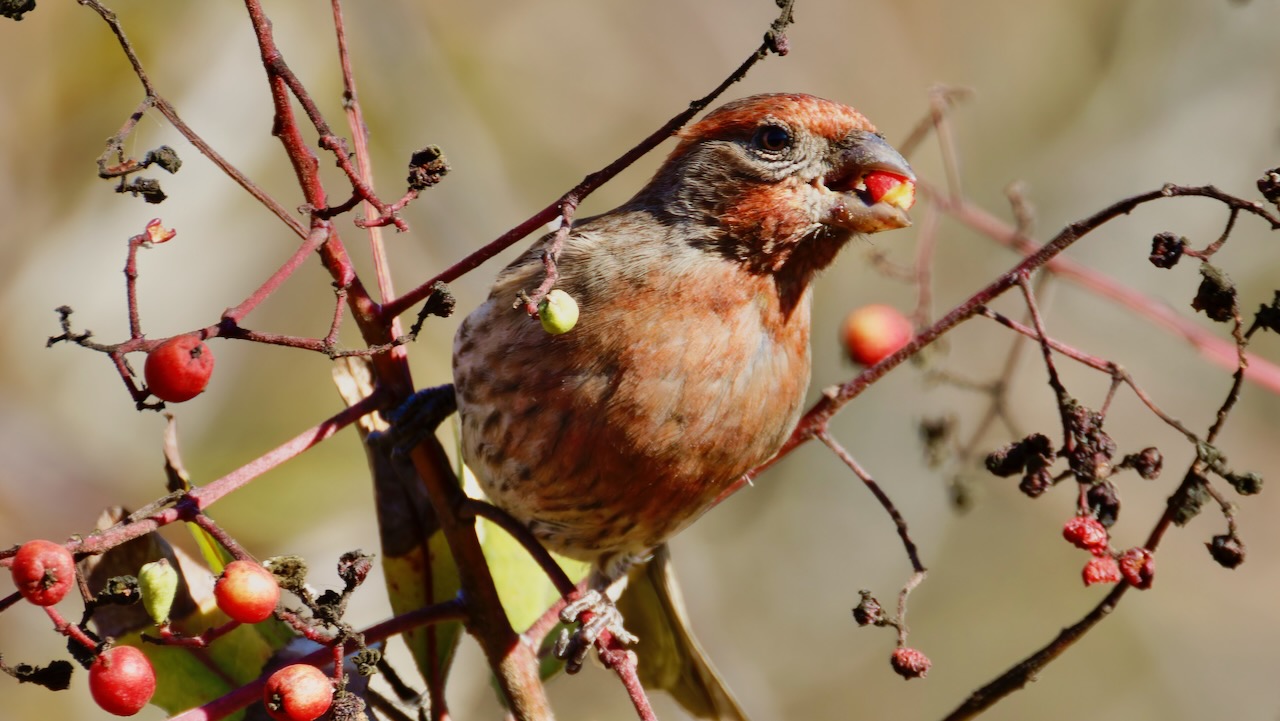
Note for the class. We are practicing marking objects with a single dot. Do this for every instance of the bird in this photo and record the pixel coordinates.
(690, 361)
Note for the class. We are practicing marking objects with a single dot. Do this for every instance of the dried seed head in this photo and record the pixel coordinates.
(1227, 550)
(1216, 295)
(427, 167)
(1166, 250)
(1146, 462)
(1104, 501)
(1269, 185)
(868, 611)
(1246, 484)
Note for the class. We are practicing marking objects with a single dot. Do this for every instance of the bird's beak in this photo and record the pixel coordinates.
(850, 203)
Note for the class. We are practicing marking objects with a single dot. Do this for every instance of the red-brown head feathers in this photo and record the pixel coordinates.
(821, 117)
(776, 183)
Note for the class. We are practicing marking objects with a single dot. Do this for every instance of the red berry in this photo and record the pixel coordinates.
(178, 369)
(874, 332)
(43, 571)
(122, 680)
(891, 188)
(1138, 567)
(246, 592)
(910, 663)
(1087, 533)
(1101, 569)
(298, 693)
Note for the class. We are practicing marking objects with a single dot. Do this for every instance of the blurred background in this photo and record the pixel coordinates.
(1086, 102)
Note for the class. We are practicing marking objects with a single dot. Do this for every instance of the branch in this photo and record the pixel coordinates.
(154, 99)
(835, 398)
(205, 496)
(1261, 371)
(775, 41)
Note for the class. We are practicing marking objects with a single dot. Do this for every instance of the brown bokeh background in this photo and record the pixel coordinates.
(1085, 101)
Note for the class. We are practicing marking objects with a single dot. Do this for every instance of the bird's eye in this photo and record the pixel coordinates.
(773, 138)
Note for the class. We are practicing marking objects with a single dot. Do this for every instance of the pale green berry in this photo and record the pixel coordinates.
(558, 312)
(158, 582)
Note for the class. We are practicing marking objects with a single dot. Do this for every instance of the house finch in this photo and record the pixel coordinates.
(690, 362)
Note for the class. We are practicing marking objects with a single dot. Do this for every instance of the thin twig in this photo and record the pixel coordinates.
(926, 244)
(899, 522)
(833, 399)
(500, 518)
(1101, 365)
(364, 161)
(1223, 354)
(205, 496)
(1025, 671)
(166, 109)
(917, 577)
(775, 42)
(320, 233)
(1042, 337)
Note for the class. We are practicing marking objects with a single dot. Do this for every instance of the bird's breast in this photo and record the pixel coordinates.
(612, 437)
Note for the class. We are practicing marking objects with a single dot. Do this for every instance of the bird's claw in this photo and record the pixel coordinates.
(573, 647)
(417, 418)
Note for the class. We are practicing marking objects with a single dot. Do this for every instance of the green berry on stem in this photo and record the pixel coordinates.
(158, 582)
(558, 312)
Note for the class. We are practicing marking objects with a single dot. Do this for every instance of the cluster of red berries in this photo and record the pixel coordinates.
(1136, 565)
(248, 593)
(122, 679)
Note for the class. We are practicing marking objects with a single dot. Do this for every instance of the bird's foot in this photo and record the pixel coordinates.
(596, 614)
(417, 418)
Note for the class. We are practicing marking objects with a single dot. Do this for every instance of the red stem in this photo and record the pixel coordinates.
(1218, 351)
(623, 663)
(320, 232)
(70, 630)
(205, 496)
(774, 42)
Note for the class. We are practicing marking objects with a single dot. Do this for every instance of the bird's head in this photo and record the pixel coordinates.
(777, 181)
